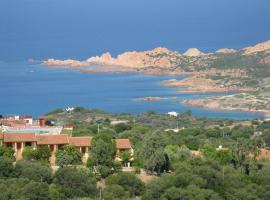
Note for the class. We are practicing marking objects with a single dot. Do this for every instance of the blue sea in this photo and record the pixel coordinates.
(80, 29)
(30, 88)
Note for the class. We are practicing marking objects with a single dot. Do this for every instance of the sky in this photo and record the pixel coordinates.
(79, 29)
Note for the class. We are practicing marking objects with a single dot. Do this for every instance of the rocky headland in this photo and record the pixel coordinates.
(244, 70)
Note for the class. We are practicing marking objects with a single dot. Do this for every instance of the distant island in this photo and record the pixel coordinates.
(244, 71)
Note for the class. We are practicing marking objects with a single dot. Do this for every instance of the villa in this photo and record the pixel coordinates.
(18, 141)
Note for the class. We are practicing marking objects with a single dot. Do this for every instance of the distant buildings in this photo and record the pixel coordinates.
(173, 114)
(18, 141)
(22, 131)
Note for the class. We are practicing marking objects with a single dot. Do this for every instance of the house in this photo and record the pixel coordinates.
(173, 114)
(27, 119)
(1, 137)
(42, 120)
(123, 145)
(84, 145)
(18, 141)
(264, 154)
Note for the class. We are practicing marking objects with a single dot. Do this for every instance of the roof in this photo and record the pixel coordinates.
(123, 144)
(19, 137)
(46, 139)
(43, 117)
(80, 141)
(25, 117)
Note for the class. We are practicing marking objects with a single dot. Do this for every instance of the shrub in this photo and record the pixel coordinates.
(69, 155)
(128, 181)
(7, 152)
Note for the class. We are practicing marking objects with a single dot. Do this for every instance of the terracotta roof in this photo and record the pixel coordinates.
(52, 139)
(80, 141)
(43, 117)
(1, 135)
(19, 137)
(123, 144)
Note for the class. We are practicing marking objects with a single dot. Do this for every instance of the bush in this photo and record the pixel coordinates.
(7, 152)
(115, 192)
(29, 153)
(104, 171)
(6, 167)
(76, 182)
(35, 171)
(69, 155)
(128, 181)
(42, 153)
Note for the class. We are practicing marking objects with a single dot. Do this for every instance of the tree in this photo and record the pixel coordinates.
(29, 153)
(155, 158)
(6, 167)
(103, 150)
(115, 192)
(75, 182)
(36, 171)
(128, 181)
(125, 156)
(36, 191)
(69, 155)
(7, 152)
(41, 153)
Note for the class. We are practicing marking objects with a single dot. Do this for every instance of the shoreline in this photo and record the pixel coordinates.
(191, 84)
(200, 103)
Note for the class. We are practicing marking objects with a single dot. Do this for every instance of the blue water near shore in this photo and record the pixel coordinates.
(30, 88)
(80, 29)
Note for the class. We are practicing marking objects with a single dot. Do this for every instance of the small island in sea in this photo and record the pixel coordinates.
(244, 72)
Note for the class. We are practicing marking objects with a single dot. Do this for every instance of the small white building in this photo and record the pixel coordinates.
(173, 114)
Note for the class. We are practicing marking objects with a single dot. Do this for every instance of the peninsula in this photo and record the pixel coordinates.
(244, 71)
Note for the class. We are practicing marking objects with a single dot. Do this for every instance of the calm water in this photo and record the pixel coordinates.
(29, 88)
(80, 29)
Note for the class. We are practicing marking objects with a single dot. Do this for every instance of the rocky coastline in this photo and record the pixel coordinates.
(203, 76)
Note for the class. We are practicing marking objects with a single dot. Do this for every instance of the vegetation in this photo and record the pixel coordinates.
(215, 161)
(68, 155)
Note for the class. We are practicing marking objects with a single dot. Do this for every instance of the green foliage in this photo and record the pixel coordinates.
(55, 111)
(36, 171)
(75, 182)
(7, 152)
(104, 170)
(6, 167)
(128, 181)
(155, 158)
(176, 153)
(29, 153)
(115, 192)
(40, 154)
(121, 127)
(103, 150)
(125, 156)
(23, 189)
(69, 155)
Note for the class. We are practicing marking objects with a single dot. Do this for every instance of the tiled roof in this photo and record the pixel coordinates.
(80, 141)
(43, 117)
(46, 139)
(123, 144)
(1, 135)
(19, 137)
